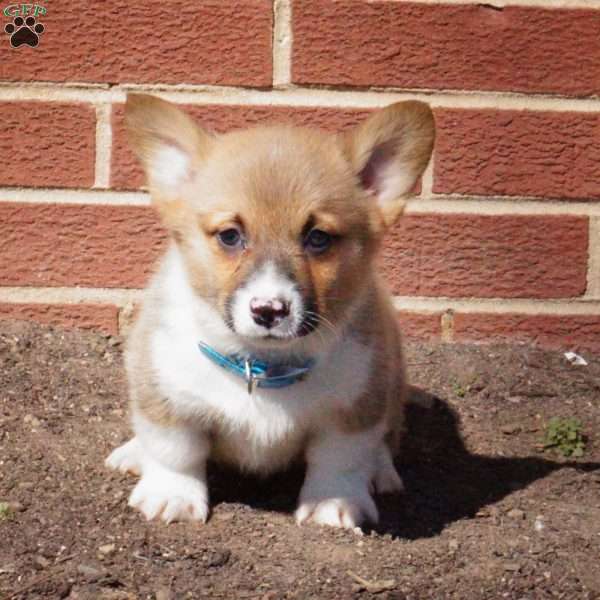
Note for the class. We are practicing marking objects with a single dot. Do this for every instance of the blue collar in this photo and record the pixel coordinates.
(257, 373)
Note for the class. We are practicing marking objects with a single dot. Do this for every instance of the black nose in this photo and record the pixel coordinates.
(269, 313)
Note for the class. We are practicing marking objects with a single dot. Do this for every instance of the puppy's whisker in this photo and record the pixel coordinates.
(321, 320)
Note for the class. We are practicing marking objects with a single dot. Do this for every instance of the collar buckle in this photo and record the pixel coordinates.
(251, 379)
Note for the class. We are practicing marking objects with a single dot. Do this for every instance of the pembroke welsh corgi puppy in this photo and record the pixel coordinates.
(266, 335)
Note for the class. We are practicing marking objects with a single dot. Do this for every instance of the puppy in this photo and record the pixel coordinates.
(266, 335)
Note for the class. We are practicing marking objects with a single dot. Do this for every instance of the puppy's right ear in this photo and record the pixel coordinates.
(169, 144)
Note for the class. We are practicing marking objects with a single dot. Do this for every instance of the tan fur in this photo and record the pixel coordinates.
(272, 181)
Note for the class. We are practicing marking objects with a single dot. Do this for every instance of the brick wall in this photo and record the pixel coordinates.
(503, 241)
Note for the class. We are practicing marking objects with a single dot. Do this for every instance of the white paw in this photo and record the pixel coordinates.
(387, 480)
(170, 496)
(338, 512)
(126, 458)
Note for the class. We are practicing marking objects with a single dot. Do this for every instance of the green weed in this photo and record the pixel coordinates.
(565, 436)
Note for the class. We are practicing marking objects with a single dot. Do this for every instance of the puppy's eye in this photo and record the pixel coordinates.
(231, 238)
(317, 241)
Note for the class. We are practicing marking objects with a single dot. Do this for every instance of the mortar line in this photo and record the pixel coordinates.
(526, 3)
(490, 206)
(567, 306)
(69, 295)
(103, 145)
(282, 43)
(71, 196)
(447, 326)
(498, 205)
(593, 274)
(124, 296)
(302, 96)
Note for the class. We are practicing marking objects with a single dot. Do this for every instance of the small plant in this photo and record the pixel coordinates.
(5, 511)
(565, 436)
(459, 390)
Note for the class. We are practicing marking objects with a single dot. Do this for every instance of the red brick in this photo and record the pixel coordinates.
(490, 152)
(127, 174)
(488, 256)
(75, 245)
(552, 331)
(101, 317)
(421, 326)
(437, 46)
(208, 42)
(47, 144)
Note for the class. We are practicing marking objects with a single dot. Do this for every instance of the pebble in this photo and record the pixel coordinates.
(510, 428)
(538, 524)
(33, 421)
(515, 513)
(41, 562)
(89, 572)
(107, 549)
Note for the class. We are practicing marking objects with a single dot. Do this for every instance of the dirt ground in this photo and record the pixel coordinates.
(486, 513)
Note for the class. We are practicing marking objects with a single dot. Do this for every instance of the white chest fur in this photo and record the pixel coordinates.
(261, 432)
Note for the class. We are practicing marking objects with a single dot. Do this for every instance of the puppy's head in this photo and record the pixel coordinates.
(278, 225)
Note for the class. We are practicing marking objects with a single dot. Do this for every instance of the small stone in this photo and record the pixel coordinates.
(89, 572)
(453, 545)
(538, 524)
(41, 562)
(516, 513)
(31, 420)
(512, 566)
(107, 549)
(510, 428)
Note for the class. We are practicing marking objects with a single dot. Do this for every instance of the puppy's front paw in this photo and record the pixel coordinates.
(170, 496)
(338, 512)
(126, 458)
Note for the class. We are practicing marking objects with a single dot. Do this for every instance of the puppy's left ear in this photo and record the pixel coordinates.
(390, 151)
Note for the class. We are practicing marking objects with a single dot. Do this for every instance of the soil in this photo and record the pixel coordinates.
(486, 513)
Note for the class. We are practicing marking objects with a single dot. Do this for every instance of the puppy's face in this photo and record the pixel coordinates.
(278, 226)
(281, 232)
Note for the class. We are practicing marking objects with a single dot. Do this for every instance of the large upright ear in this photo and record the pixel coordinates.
(169, 144)
(390, 151)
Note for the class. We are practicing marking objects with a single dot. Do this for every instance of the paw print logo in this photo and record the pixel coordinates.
(24, 31)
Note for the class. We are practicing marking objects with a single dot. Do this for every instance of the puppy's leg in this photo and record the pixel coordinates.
(340, 469)
(172, 462)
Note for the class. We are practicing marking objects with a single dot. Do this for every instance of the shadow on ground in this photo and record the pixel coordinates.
(444, 481)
